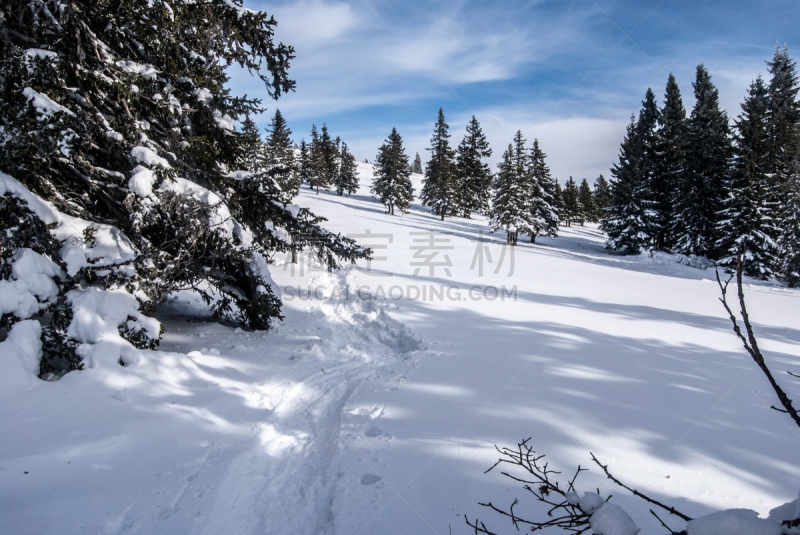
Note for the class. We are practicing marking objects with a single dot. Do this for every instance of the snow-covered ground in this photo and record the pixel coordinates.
(375, 406)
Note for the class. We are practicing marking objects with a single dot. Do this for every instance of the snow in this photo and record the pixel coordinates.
(39, 53)
(31, 288)
(590, 502)
(44, 104)
(148, 157)
(142, 70)
(141, 182)
(369, 414)
(733, 522)
(611, 519)
(203, 94)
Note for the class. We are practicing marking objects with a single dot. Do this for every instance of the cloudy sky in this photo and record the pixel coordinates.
(569, 73)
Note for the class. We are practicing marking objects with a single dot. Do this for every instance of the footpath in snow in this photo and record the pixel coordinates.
(374, 407)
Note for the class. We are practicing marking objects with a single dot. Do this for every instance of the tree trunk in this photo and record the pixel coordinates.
(294, 256)
(533, 238)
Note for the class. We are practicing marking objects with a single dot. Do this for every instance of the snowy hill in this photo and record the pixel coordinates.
(374, 407)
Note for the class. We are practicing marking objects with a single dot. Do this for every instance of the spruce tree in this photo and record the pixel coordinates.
(440, 188)
(280, 158)
(648, 163)
(707, 160)
(510, 207)
(626, 220)
(558, 197)
(122, 116)
(602, 196)
(253, 150)
(789, 241)
(572, 210)
(669, 165)
(473, 175)
(745, 220)
(304, 168)
(391, 181)
(541, 196)
(347, 179)
(417, 166)
(783, 119)
(587, 202)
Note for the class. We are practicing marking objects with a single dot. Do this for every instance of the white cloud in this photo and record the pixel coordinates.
(314, 23)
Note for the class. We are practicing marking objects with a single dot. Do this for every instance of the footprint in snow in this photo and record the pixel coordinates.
(372, 432)
(369, 479)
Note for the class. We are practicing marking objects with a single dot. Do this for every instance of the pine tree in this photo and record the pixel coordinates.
(253, 152)
(707, 159)
(134, 91)
(587, 202)
(789, 241)
(347, 179)
(391, 181)
(304, 168)
(440, 188)
(417, 167)
(324, 158)
(541, 196)
(648, 164)
(669, 165)
(602, 196)
(558, 197)
(473, 175)
(572, 208)
(626, 220)
(280, 159)
(745, 221)
(510, 207)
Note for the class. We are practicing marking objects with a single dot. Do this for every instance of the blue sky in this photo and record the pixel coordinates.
(569, 73)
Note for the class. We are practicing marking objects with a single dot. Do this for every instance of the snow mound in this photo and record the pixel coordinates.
(733, 522)
(19, 356)
(611, 519)
(31, 289)
(43, 104)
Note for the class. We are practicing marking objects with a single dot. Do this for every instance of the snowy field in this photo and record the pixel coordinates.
(375, 406)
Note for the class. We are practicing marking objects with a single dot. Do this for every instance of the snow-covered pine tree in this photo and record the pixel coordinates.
(304, 168)
(323, 157)
(391, 181)
(783, 119)
(572, 210)
(707, 160)
(440, 188)
(473, 174)
(117, 112)
(417, 166)
(602, 196)
(280, 161)
(627, 219)
(587, 202)
(646, 125)
(511, 209)
(541, 196)
(745, 220)
(558, 197)
(347, 178)
(783, 125)
(253, 153)
(669, 164)
(789, 240)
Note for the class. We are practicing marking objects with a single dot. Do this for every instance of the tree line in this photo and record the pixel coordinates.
(698, 186)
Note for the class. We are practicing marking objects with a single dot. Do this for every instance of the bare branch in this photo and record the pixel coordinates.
(670, 510)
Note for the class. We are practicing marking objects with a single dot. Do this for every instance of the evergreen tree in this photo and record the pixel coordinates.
(510, 207)
(417, 167)
(391, 181)
(626, 220)
(745, 221)
(440, 188)
(123, 117)
(558, 197)
(587, 202)
(648, 164)
(315, 159)
(347, 179)
(783, 120)
(602, 196)
(253, 152)
(304, 168)
(473, 175)
(707, 159)
(280, 158)
(669, 166)
(541, 196)
(789, 242)
(572, 208)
